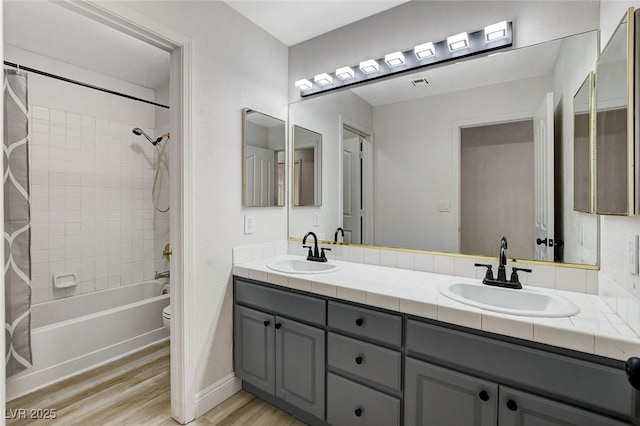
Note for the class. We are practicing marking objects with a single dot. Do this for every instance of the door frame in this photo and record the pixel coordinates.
(458, 125)
(140, 26)
(368, 183)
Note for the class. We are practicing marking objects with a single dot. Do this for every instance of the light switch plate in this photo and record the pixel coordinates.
(249, 224)
(632, 254)
(316, 218)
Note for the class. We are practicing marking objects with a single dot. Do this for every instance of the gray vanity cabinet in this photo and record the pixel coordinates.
(274, 352)
(439, 396)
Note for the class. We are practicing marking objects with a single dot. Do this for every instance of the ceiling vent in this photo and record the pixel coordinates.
(419, 82)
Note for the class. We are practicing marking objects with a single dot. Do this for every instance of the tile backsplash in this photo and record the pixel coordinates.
(91, 208)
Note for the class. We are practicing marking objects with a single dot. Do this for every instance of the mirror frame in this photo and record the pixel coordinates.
(317, 172)
(633, 174)
(589, 82)
(245, 112)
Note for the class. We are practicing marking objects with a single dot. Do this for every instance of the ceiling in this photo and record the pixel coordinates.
(48, 29)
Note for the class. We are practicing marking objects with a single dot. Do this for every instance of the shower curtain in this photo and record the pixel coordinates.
(17, 232)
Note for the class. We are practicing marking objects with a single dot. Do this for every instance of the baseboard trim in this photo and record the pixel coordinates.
(217, 393)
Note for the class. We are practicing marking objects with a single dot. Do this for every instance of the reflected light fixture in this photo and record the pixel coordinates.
(495, 31)
(425, 50)
(303, 84)
(394, 59)
(369, 66)
(345, 73)
(323, 79)
(458, 41)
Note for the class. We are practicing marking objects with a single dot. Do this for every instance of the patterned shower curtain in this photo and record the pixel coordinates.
(17, 219)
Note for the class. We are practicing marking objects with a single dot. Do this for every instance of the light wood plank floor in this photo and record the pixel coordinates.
(135, 391)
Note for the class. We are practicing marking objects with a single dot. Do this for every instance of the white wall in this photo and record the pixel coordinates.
(417, 158)
(322, 115)
(419, 21)
(91, 181)
(236, 65)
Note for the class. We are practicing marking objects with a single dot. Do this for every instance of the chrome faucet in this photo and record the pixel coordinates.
(159, 275)
(314, 254)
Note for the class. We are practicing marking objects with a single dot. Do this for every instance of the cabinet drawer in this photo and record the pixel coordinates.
(285, 303)
(573, 380)
(351, 404)
(366, 323)
(371, 362)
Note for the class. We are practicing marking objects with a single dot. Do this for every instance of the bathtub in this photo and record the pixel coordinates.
(71, 335)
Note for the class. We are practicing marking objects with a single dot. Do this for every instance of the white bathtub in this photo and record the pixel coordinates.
(75, 334)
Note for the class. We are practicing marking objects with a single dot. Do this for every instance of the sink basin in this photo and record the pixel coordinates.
(528, 303)
(302, 266)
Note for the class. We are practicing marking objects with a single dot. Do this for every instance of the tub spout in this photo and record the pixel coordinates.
(159, 275)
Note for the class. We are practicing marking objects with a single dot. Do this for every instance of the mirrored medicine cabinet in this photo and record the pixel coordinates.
(306, 188)
(264, 160)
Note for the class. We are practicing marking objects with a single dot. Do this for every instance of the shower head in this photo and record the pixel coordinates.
(139, 132)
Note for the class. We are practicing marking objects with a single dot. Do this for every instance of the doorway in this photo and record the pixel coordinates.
(356, 186)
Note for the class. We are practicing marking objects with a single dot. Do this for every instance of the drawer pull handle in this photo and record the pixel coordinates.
(511, 405)
(266, 323)
(484, 396)
(359, 360)
(358, 412)
(278, 326)
(359, 322)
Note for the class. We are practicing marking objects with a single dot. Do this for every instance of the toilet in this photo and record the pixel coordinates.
(166, 317)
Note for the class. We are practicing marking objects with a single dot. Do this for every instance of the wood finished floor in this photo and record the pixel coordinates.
(135, 391)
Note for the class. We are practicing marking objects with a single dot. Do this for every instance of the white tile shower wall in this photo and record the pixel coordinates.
(92, 214)
(555, 277)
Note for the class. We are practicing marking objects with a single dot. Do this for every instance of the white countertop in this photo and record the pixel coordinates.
(596, 329)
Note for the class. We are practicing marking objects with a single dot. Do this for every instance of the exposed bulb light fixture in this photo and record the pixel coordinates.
(425, 50)
(369, 66)
(495, 31)
(394, 59)
(458, 41)
(323, 79)
(303, 84)
(345, 73)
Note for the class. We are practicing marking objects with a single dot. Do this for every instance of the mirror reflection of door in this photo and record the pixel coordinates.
(497, 189)
(304, 160)
(543, 138)
(352, 187)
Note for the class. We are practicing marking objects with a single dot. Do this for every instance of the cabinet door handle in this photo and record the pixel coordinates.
(511, 405)
(359, 322)
(266, 323)
(278, 325)
(359, 360)
(484, 396)
(358, 412)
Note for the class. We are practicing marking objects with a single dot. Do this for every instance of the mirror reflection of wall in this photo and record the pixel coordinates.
(307, 167)
(414, 162)
(264, 160)
(613, 141)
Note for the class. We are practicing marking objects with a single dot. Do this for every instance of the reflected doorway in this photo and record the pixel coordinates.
(355, 146)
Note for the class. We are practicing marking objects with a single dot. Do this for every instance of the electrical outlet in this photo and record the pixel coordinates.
(249, 224)
(632, 254)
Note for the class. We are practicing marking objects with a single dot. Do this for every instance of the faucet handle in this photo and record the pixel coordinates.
(310, 254)
(514, 274)
(322, 254)
(489, 274)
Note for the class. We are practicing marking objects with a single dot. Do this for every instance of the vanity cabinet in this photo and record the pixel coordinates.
(364, 360)
(276, 352)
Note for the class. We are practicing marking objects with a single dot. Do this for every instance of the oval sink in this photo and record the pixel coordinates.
(302, 266)
(509, 301)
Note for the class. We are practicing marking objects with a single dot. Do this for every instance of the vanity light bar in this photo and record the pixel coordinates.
(453, 48)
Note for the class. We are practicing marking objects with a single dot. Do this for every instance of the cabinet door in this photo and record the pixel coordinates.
(438, 396)
(300, 365)
(519, 408)
(254, 348)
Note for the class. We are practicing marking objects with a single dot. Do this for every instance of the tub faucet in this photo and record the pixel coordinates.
(159, 275)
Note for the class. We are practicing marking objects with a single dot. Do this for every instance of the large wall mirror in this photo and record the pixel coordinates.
(452, 158)
(615, 154)
(264, 165)
(306, 165)
(583, 125)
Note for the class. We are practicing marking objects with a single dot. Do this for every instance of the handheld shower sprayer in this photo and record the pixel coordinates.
(139, 132)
